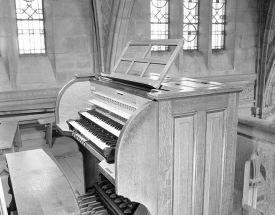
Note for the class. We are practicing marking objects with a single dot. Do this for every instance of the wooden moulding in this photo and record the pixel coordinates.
(137, 157)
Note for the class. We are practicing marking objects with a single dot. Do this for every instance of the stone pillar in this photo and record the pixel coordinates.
(49, 33)
(205, 31)
(9, 46)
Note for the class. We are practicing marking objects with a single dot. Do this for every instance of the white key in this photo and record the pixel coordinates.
(101, 123)
(89, 135)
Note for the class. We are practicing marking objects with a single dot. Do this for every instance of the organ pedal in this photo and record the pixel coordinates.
(102, 200)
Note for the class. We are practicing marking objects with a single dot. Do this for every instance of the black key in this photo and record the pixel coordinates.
(117, 201)
(113, 196)
(122, 205)
(128, 211)
(107, 186)
(110, 191)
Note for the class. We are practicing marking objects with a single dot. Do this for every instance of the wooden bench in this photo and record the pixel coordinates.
(39, 186)
(248, 210)
(46, 119)
(10, 137)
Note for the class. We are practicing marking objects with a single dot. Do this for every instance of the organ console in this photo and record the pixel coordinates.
(154, 144)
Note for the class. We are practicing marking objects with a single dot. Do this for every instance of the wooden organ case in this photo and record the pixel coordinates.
(174, 141)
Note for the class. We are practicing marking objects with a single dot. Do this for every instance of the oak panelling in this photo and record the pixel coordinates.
(231, 121)
(194, 104)
(184, 166)
(213, 162)
(199, 138)
(136, 163)
(165, 157)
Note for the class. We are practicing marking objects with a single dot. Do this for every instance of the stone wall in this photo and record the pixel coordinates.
(73, 37)
(69, 37)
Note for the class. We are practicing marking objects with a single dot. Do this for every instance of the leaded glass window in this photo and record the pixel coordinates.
(159, 22)
(218, 24)
(30, 26)
(190, 24)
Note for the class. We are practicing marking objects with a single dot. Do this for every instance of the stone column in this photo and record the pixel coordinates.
(9, 46)
(205, 31)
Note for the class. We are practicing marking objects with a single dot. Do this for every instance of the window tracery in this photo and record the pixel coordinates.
(159, 22)
(218, 24)
(190, 24)
(30, 26)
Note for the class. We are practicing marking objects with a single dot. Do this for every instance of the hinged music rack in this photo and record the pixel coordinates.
(142, 76)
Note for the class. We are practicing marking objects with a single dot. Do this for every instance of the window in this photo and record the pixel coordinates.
(159, 22)
(218, 24)
(190, 24)
(30, 26)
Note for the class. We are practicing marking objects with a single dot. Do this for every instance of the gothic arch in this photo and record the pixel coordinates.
(269, 47)
(111, 21)
(266, 65)
(97, 32)
(121, 13)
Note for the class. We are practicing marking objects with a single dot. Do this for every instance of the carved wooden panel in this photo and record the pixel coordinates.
(184, 163)
(199, 103)
(165, 161)
(214, 147)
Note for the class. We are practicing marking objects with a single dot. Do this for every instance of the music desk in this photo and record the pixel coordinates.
(39, 186)
(9, 136)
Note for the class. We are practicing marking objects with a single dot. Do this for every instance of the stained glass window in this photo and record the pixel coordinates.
(159, 22)
(30, 26)
(190, 24)
(218, 24)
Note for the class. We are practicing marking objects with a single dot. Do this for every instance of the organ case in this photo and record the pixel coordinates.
(175, 153)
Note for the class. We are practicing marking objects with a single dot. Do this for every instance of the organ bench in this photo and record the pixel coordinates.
(9, 137)
(38, 186)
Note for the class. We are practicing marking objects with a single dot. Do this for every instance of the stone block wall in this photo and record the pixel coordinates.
(72, 32)
(4, 78)
(69, 38)
(139, 22)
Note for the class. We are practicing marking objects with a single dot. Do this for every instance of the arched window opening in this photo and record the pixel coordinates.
(159, 22)
(218, 24)
(190, 24)
(30, 26)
